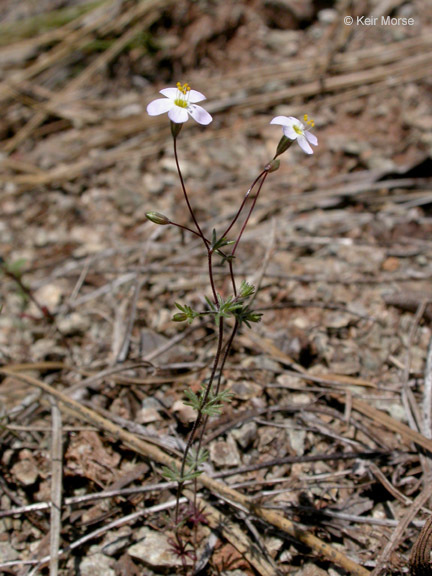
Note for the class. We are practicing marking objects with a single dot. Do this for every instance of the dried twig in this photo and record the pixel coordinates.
(56, 486)
(408, 399)
(104, 494)
(426, 421)
(387, 421)
(376, 415)
(427, 395)
(152, 9)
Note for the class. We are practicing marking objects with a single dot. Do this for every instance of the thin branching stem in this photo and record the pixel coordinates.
(218, 383)
(239, 211)
(226, 354)
(211, 278)
(199, 417)
(265, 174)
(185, 228)
(200, 233)
(231, 270)
(221, 354)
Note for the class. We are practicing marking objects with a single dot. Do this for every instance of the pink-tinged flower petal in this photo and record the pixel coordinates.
(171, 93)
(282, 120)
(199, 114)
(178, 115)
(290, 132)
(195, 96)
(159, 106)
(304, 145)
(311, 137)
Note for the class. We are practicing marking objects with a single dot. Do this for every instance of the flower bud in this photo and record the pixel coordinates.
(158, 218)
(284, 144)
(273, 165)
(180, 317)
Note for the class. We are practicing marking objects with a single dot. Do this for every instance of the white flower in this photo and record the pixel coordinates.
(296, 130)
(180, 103)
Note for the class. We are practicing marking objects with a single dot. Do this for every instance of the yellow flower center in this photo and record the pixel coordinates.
(309, 121)
(183, 90)
(298, 130)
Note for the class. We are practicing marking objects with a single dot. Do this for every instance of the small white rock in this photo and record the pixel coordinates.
(96, 564)
(154, 550)
(225, 453)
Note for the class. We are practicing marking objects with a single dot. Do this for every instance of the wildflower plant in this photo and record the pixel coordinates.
(180, 103)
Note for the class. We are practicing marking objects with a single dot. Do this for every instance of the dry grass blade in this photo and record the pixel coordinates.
(408, 400)
(126, 330)
(72, 36)
(377, 416)
(303, 69)
(152, 10)
(410, 68)
(387, 421)
(37, 366)
(400, 70)
(56, 486)
(97, 496)
(156, 455)
(427, 397)
(54, 22)
(385, 7)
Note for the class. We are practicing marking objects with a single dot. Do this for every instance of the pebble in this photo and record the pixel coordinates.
(149, 411)
(245, 390)
(25, 471)
(273, 544)
(96, 564)
(7, 552)
(311, 570)
(225, 453)
(118, 541)
(268, 436)
(73, 324)
(245, 435)
(153, 184)
(185, 412)
(285, 42)
(390, 264)
(154, 550)
(48, 295)
(297, 440)
(328, 15)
